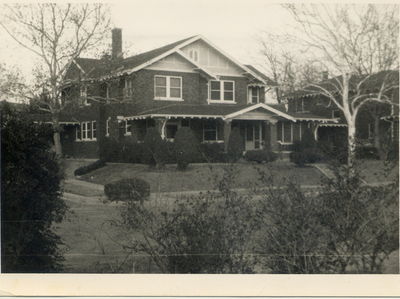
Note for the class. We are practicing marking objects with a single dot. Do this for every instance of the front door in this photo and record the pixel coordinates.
(253, 135)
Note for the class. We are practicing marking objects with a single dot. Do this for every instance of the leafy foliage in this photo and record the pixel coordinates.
(346, 227)
(208, 233)
(30, 197)
(186, 147)
(235, 145)
(88, 168)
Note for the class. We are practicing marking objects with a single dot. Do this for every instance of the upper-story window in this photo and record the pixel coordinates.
(223, 91)
(128, 87)
(194, 54)
(83, 94)
(301, 105)
(167, 88)
(336, 113)
(254, 95)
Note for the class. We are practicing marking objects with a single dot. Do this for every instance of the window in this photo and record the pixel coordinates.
(194, 54)
(185, 122)
(222, 91)
(335, 113)
(128, 87)
(86, 131)
(210, 132)
(254, 95)
(285, 132)
(108, 127)
(83, 94)
(370, 131)
(167, 87)
(94, 133)
(127, 127)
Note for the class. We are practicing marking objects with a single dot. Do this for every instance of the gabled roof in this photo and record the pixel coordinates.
(268, 80)
(103, 69)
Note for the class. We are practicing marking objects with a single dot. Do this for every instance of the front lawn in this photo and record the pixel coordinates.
(202, 176)
(377, 171)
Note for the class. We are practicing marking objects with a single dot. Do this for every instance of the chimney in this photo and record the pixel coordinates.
(116, 47)
(325, 75)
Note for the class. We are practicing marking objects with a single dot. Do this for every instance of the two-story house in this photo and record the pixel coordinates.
(189, 83)
(373, 119)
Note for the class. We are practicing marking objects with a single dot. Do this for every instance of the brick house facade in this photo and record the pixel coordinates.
(187, 83)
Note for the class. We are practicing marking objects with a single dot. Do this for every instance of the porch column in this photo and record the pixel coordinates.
(227, 132)
(160, 125)
(273, 138)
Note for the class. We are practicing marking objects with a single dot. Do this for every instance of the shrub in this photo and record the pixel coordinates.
(308, 155)
(235, 145)
(155, 149)
(186, 147)
(130, 150)
(366, 152)
(260, 156)
(213, 152)
(333, 152)
(110, 150)
(133, 189)
(306, 150)
(206, 233)
(31, 200)
(90, 167)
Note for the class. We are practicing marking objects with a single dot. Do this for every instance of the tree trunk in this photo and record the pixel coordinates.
(56, 137)
(351, 146)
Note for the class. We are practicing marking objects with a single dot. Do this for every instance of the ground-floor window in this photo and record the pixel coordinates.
(285, 132)
(210, 130)
(86, 131)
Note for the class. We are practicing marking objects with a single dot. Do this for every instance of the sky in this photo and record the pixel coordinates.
(231, 25)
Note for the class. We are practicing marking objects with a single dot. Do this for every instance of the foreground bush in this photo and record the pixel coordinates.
(90, 167)
(260, 156)
(346, 227)
(208, 233)
(186, 147)
(133, 189)
(31, 199)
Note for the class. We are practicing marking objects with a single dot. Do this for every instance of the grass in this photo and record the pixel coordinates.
(202, 177)
(374, 171)
(91, 243)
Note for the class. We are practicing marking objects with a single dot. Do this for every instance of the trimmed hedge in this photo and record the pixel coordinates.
(235, 145)
(260, 156)
(127, 189)
(306, 150)
(185, 147)
(88, 168)
(213, 152)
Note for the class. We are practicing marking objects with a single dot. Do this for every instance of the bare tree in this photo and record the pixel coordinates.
(283, 64)
(355, 42)
(56, 34)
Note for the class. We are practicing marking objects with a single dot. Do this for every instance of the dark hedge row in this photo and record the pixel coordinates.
(88, 168)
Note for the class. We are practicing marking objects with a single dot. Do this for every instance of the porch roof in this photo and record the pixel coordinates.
(223, 111)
